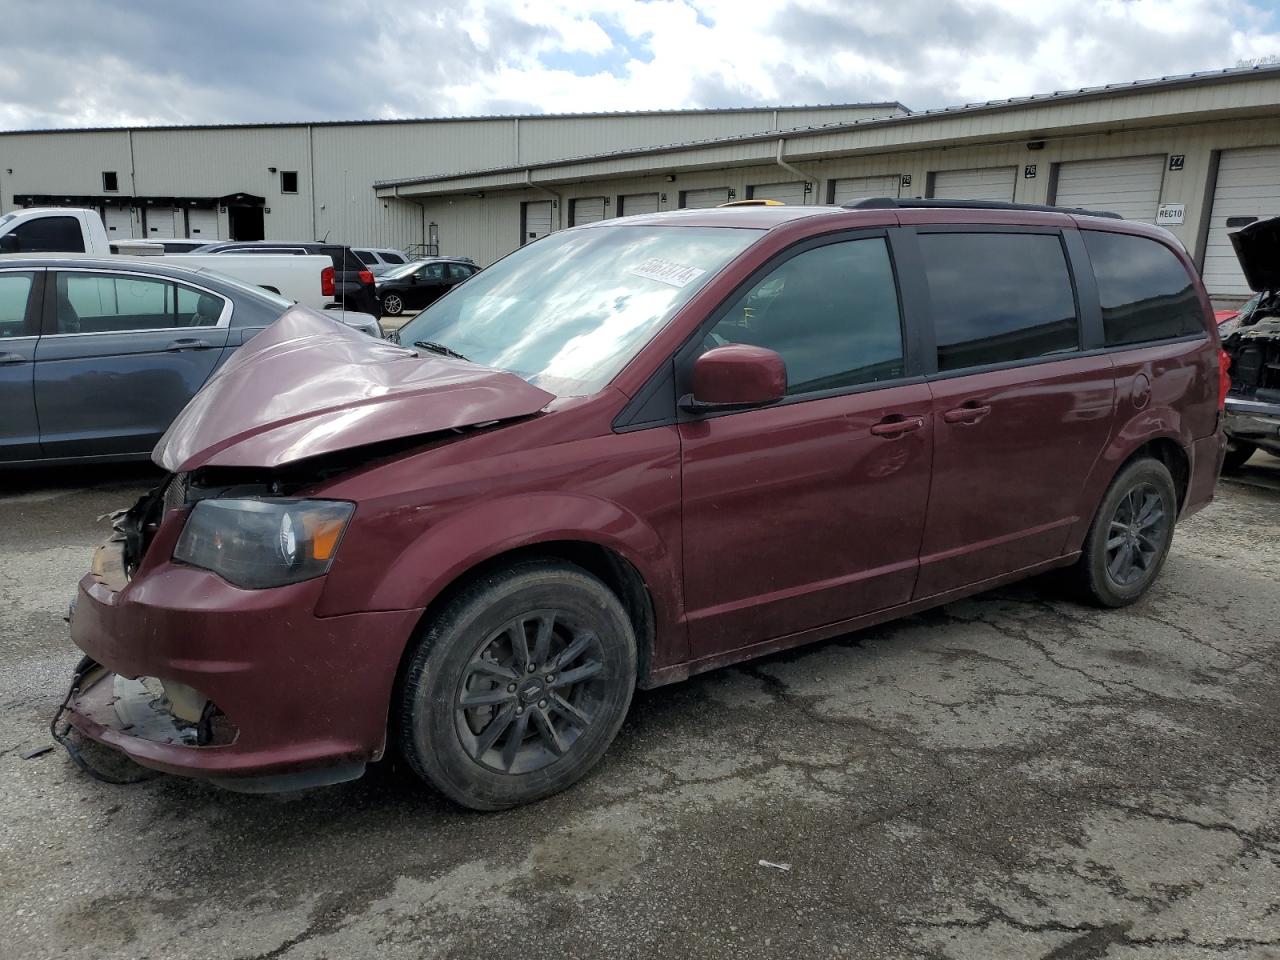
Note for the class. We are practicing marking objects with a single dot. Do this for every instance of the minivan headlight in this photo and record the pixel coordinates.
(263, 543)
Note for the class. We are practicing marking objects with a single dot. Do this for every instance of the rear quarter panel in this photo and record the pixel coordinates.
(1163, 392)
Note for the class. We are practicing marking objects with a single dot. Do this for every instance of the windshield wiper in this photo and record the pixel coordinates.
(439, 348)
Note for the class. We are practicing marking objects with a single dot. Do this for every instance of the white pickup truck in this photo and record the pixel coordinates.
(308, 280)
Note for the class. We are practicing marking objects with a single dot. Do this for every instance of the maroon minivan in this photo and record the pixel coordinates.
(631, 452)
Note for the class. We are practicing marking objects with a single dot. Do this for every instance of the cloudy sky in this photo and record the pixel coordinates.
(71, 63)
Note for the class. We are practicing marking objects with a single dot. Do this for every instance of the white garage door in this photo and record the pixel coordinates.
(202, 224)
(855, 188)
(700, 199)
(159, 222)
(989, 183)
(537, 220)
(634, 203)
(1129, 186)
(587, 210)
(119, 223)
(1248, 188)
(791, 194)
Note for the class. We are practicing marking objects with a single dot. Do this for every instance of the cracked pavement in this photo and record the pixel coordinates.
(1010, 776)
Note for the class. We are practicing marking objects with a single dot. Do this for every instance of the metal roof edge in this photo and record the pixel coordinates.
(302, 124)
(1229, 74)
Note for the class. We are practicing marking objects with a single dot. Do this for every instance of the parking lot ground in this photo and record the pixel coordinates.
(1011, 776)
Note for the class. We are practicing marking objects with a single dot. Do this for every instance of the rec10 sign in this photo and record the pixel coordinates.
(1171, 214)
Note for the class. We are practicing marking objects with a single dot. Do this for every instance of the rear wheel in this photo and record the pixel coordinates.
(392, 305)
(1238, 454)
(1130, 536)
(519, 686)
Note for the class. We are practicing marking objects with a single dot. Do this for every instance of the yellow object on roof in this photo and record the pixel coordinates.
(752, 203)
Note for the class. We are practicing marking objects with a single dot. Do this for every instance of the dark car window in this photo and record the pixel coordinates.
(432, 271)
(15, 288)
(999, 297)
(1146, 292)
(366, 256)
(459, 272)
(831, 313)
(392, 257)
(112, 303)
(343, 258)
(50, 235)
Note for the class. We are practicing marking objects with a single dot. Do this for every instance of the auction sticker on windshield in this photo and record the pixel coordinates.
(668, 272)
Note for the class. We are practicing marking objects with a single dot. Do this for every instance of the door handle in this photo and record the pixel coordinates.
(188, 343)
(896, 425)
(969, 413)
(8, 359)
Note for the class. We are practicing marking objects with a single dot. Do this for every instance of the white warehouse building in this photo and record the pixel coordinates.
(1199, 154)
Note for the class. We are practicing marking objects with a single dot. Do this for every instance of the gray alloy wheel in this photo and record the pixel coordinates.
(392, 305)
(518, 686)
(1130, 536)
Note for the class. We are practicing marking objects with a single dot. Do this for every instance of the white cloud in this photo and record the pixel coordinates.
(109, 61)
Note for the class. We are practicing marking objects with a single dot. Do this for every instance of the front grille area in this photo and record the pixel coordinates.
(175, 492)
(140, 523)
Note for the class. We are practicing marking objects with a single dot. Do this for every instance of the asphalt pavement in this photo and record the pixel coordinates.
(1011, 776)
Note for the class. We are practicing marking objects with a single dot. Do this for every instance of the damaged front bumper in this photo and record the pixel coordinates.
(190, 675)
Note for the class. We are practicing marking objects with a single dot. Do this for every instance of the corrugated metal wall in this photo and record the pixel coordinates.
(338, 165)
(489, 228)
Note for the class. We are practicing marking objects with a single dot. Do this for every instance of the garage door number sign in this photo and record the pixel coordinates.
(1171, 214)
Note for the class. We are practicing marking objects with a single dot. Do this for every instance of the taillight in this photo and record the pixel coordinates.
(366, 277)
(1224, 378)
(327, 287)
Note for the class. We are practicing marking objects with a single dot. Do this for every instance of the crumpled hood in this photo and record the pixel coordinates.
(1258, 250)
(308, 385)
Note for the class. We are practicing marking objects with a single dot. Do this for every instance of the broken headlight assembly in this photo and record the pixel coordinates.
(257, 544)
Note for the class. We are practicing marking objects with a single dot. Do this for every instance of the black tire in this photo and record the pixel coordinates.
(1238, 454)
(1142, 482)
(462, 654)
(392, 305)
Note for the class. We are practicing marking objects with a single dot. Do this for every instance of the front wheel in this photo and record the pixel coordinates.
(1130, 536)
(392, 305)
(1238, 454)
(519, 686)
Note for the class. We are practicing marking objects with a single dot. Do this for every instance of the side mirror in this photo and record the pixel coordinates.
(9, 243)
(413, 278)
(736, 377)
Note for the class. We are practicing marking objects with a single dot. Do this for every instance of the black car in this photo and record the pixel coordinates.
(353, 281)
(421, 283)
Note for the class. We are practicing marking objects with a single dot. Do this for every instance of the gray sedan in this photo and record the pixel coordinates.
(98, 355)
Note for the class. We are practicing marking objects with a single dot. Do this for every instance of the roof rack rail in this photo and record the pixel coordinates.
(907, 203)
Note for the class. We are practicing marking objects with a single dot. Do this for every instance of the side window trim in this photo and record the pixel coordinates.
(1073, 274)
(691, 348)
(1188, 269)
(1088, 304)
(673, 375)
(33, 312)
(49, 314)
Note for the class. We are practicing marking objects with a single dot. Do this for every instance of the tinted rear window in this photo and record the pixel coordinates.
(392, 257)
(999, 297)
(1145, 291)
(343, 258)
(366, 256)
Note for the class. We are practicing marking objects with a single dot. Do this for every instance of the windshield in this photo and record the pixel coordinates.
(403, 271)
(568, 312)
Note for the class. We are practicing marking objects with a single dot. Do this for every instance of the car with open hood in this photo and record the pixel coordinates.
(1253, 405)
(630, 452)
